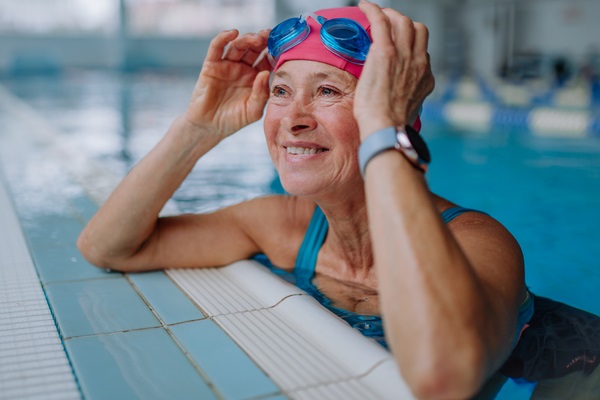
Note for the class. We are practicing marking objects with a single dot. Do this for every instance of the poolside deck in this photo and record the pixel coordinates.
(69, 330)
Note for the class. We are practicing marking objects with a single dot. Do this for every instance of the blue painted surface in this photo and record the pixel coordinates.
(98, 306)
(167, 300)
(64, 263)
(143, 364)
(52, 242)
(48, 230)
(230, 369)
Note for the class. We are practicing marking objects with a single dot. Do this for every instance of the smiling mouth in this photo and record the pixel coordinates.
(303, 150)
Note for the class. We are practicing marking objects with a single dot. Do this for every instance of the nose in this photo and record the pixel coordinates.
(299, 117)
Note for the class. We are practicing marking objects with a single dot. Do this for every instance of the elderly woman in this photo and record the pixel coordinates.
(449, 280)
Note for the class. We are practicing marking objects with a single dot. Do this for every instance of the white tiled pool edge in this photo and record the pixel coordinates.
(33, 363)
(303, 347)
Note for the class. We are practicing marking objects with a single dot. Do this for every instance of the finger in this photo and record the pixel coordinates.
(245, 48)
(403, 30)
(250, 57)
(259, 95)
(380, 24)
(421, 38)
(218, 43)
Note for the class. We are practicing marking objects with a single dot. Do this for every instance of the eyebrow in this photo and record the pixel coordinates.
(312, 76)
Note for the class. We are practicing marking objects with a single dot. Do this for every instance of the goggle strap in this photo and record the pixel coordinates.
(261, 56)
(314, 16)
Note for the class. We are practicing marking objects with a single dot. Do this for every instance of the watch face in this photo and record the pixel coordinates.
(418, 144)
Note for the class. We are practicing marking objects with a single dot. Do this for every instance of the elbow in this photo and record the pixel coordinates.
(459, 375)
(96, 257)
(87, 249)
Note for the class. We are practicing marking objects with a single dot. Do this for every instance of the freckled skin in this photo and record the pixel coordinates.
(313, 102)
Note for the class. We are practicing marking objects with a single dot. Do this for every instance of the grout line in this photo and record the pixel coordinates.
(148, 328)
(98, 278)
(187, 355)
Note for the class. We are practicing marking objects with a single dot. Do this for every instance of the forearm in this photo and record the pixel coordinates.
(434, 307)
(128, 217)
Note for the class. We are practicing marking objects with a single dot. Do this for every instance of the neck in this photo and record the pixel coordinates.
(347, 254)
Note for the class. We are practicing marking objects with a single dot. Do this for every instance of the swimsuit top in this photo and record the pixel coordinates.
(369, 325)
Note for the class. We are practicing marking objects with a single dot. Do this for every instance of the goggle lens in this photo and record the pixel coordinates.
(286, 35)
(346, 39)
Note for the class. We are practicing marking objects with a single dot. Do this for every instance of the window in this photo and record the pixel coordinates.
(197, 17)
(178, 18)
(58, 16)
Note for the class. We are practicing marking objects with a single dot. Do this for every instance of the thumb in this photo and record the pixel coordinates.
(260, 94)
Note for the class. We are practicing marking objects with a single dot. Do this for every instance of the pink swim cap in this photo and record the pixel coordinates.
(313, 49)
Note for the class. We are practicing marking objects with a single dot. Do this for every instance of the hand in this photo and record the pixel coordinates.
(397, 74)
(231, 91)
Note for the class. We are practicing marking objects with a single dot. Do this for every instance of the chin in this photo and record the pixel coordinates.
(299, 186)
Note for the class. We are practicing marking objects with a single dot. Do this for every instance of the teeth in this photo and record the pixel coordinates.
(302, 150)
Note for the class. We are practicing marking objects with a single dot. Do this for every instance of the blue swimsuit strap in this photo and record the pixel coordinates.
(453, 212)
(306, 261)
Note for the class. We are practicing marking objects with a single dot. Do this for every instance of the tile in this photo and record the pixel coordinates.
(232, 372)
(143, 364)
(98, 306)
(51, 229)
(65, 263)
(84, 206)
(32, 359)
(241, 286)
(167, 300)
(298, 342)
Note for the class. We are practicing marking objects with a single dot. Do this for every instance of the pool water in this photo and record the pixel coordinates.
(545, 190)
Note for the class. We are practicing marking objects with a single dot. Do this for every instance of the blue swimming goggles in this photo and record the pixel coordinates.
(344, 37)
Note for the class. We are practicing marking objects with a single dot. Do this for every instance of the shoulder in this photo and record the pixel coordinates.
(272, 210)
(277, 224)
(483, 238)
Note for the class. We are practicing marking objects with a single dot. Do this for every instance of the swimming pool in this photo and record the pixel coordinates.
(543, 189)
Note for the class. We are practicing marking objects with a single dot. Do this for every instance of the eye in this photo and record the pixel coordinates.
(279, 91)
(328, 92)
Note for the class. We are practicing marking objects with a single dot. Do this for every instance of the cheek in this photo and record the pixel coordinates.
(343, 126)
(271, 126)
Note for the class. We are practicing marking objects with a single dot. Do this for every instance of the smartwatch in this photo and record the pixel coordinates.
(405, 140)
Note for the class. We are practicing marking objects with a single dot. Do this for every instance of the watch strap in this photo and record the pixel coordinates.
(377, 142)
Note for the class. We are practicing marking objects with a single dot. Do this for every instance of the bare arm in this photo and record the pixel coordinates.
(449, 297)
(126, 233)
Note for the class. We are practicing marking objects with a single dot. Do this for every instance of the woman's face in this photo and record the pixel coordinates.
(310, 128)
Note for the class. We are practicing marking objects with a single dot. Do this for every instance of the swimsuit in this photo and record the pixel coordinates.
(369, 325)
(552, 339)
